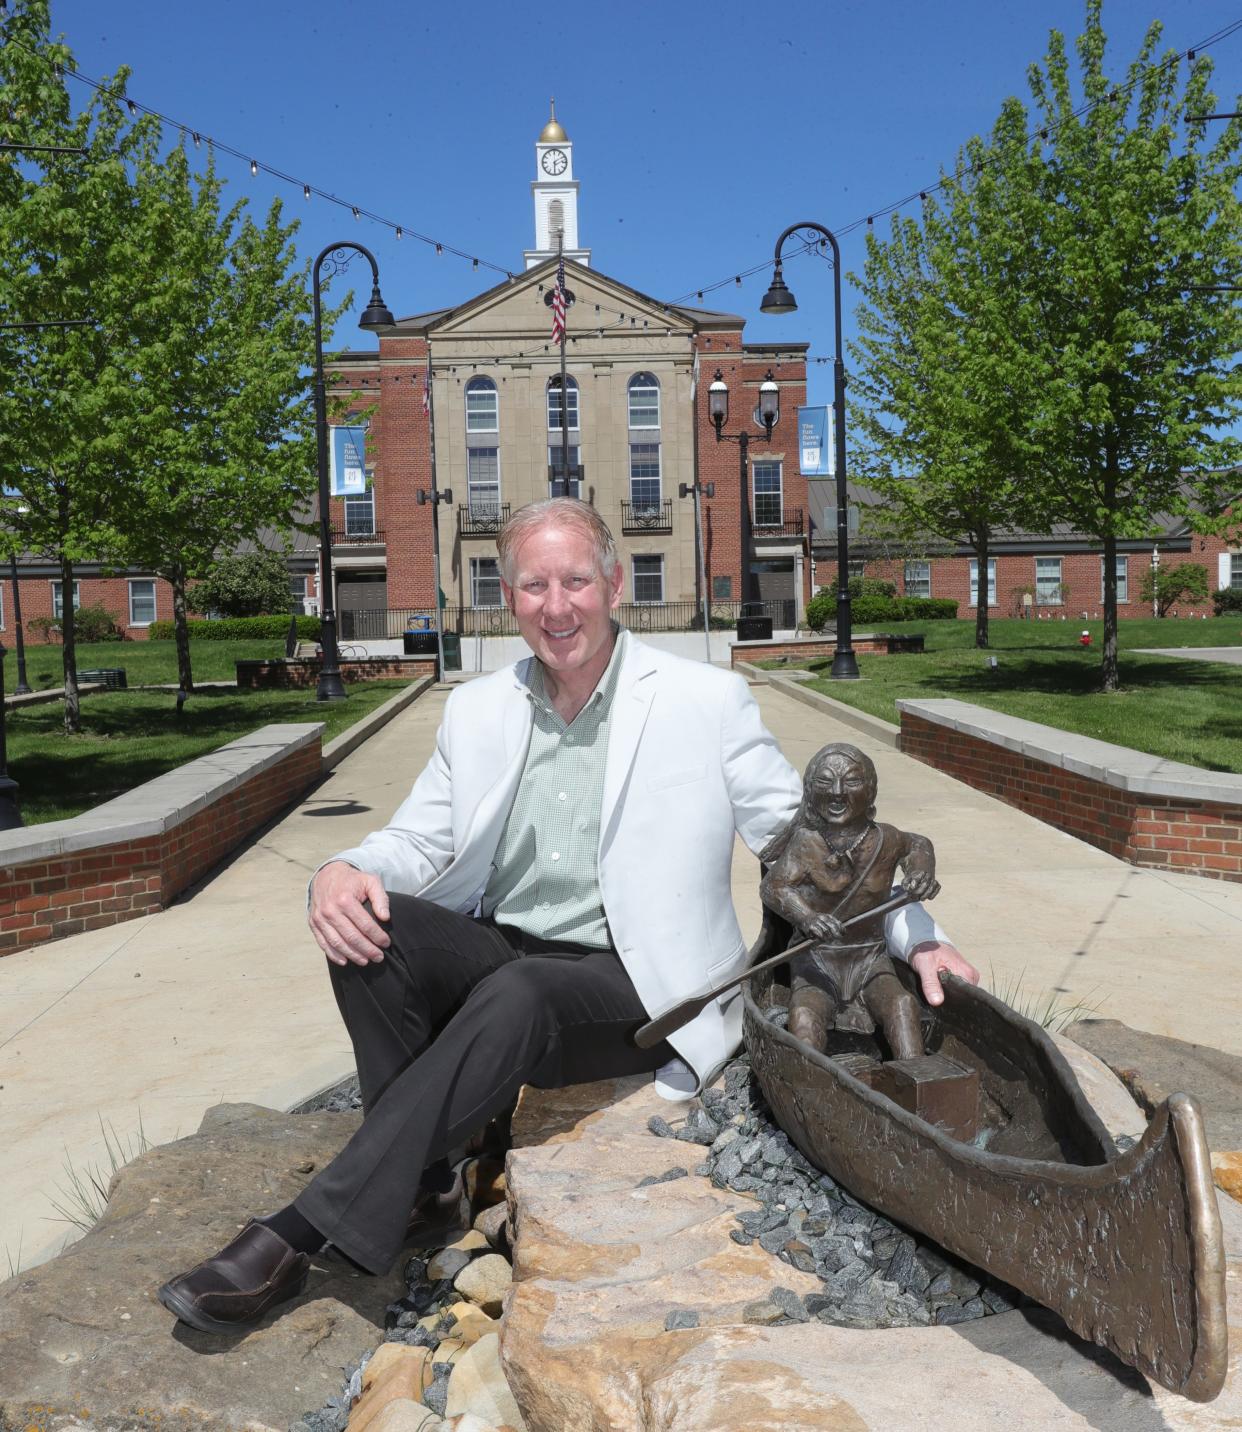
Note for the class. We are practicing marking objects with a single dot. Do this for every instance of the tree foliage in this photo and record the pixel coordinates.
(1166, 587)
(251, 584)
(1044, 337)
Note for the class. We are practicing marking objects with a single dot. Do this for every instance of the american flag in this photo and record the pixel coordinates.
(558, 303)
(426, 393)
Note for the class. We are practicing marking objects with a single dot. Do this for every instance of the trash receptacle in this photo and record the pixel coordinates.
(452, 651)
(754, 623)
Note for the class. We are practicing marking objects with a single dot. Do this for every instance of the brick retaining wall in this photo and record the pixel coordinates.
(815, 648)
(1190, 832)
(72, 879)
(303, 671)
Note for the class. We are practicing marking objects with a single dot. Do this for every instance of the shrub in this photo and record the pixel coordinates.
(43, 628)
(239, 629)
(96, 623)
(1168, 586)
(245, 586)
(821, 609)
(1227, 600)
(870, 587)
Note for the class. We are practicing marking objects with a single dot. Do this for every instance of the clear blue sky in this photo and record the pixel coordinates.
(700, 130)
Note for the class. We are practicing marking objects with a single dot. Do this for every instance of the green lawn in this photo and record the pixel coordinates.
(1184, 710)
(146, 663)
(133, 736)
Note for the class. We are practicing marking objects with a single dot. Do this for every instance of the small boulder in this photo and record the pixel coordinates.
(478, 1385)
(485, 1282)
(395, 1373)
(405, 1415)
(493, 1224)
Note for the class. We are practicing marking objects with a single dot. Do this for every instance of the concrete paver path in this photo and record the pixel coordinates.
(225, 997)
(1229, 655)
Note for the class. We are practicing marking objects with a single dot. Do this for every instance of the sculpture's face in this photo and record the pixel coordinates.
(840, 790)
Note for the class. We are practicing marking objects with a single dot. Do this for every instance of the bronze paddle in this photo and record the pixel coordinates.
(650, 1034)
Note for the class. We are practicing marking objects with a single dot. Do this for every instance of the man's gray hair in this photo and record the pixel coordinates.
(557, 512)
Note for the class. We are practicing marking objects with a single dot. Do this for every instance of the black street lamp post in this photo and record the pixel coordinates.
(10, 812)
(376, 315)
(778, 299)
(23, 686)
(769, 414)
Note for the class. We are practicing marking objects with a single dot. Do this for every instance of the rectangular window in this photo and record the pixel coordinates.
(828, 531)
(644, 404)
(483, 480)
(856, 567)
(558, 486)
(482, 408)
(554, 406)
(2, 621)
(58, 604)
(974, 581)
(485, 582)
(918, 579)
(649, 579)
(360, 515)
(645, 474)
(1235, 569)
(1123, 579)
(141, 601)
(1047, 581)
(766, 478)
(297, 593)
(722, 589)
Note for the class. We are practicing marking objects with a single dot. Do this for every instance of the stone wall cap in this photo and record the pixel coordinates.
(1136, 772)
(161, 804)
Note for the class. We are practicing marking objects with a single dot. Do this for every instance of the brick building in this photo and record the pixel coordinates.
(483, 379)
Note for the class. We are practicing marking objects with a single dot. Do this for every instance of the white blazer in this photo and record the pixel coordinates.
(689, 763)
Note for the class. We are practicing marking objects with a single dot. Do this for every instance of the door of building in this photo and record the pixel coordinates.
(362, 605)
(777, 589)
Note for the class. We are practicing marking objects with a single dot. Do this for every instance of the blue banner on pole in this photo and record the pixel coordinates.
(348, 454)
(815, 447)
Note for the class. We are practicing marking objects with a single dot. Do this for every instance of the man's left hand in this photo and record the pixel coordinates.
(928, 959)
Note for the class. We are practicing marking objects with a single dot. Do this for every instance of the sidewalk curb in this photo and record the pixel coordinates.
(883, 731)
(349, 741)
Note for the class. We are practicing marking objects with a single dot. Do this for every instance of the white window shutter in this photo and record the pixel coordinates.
(1222, 570)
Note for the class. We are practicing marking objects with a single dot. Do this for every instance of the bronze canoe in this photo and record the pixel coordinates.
(1125, 1247)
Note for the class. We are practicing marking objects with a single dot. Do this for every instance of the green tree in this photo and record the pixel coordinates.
(1164, 587)
(1138, 215)
(73, 244)
(233, 457)
(252, 584)
(947, 359)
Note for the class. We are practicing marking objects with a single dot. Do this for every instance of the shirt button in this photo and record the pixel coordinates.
(561, 797)
(556, 855)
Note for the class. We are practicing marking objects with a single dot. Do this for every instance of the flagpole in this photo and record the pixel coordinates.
(435, 517)
(560, 272)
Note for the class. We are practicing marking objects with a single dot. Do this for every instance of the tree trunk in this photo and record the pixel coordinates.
(181, 629)
(1109, 663)
(73, 707)
(981, 591)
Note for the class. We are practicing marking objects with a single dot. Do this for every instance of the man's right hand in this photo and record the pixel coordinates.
(342, 925)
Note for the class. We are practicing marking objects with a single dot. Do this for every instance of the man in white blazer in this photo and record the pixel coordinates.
(559, 873)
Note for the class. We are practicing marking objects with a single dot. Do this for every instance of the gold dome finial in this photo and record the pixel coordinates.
(552, 133)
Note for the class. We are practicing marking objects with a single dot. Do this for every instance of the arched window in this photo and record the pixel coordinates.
(554, 403)
(644, 401)
(482, 406)
(556, 220)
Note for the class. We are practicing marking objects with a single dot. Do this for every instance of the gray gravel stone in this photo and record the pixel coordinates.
(660, 1127)
(681, 1318)
(790, 1304)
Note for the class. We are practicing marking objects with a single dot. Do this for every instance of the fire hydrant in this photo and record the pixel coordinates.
(1085, 639)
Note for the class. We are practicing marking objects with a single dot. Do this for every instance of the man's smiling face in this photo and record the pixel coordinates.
(563, 603)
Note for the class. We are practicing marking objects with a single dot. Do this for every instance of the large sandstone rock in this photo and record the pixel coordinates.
(600, 1262)
(1152, 1067)
(84, 1335)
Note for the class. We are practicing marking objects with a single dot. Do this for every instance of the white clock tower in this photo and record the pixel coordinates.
(555, 192)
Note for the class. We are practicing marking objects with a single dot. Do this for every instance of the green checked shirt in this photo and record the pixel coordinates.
(545, 880)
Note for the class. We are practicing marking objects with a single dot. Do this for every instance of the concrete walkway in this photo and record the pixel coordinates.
(225, 997)
(1228, 655)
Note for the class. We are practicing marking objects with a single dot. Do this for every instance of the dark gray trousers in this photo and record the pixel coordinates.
(447, 1027)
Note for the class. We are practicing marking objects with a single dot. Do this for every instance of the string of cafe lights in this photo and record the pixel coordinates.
(814, 246)
(1045, 132)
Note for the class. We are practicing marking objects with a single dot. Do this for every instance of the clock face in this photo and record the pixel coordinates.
(554, 161)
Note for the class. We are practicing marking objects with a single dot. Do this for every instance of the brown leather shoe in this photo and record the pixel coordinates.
(232, 1291)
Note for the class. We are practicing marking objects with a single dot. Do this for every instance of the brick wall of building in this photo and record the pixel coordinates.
(1194, 837)
(304, 671)
(47, 899)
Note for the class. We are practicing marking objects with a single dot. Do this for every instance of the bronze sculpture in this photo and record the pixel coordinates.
(833, 861)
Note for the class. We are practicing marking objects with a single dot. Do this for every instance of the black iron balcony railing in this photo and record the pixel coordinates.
(647, 516)
(356, 533)
(771, 523)
(482, 519)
